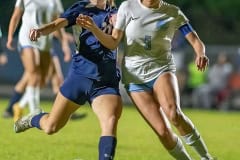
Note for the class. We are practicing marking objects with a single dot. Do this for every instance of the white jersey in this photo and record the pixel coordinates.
(147, 40)
(37, 13)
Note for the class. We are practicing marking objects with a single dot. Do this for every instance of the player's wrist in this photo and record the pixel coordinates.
(39, 32)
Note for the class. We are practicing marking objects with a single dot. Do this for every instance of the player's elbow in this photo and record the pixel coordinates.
(113, 47)
(113, 44)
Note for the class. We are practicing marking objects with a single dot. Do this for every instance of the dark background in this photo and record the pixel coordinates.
(216, 21)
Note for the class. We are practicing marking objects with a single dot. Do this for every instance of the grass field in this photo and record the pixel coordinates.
(78, 140)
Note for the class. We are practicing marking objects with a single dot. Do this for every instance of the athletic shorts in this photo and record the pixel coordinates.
(140, 87)
(20, 48)
(132, 87)
(80, 89)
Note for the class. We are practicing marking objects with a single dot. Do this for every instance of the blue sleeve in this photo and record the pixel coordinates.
(114, 10)
(185, 29)
(72, 12)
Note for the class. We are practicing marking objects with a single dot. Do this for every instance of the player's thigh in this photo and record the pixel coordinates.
(149, 108)
(166, 91)
(22, 83)
(142, 98)
(61, 111)
(30, 59)
(146, 104)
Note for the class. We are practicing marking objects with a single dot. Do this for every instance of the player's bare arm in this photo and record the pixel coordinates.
(15, 19)
(48, 28)
(201, 60)
(109, 41)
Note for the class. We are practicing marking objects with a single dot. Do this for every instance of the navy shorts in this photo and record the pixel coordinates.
(80, 89)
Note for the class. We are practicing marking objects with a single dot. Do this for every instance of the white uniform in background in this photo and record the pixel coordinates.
(37, 13)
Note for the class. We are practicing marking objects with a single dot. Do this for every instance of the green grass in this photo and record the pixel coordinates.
(78, 140)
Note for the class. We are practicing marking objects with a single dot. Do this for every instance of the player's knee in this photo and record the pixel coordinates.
(164, 133)
(112, 120)
(109, 124)
(51, 129)
(175, 116)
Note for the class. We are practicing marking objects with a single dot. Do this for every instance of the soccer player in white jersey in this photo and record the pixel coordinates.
(34, 55)
(148, 68)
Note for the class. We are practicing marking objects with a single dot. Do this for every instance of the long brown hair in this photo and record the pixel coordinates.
(112, 3)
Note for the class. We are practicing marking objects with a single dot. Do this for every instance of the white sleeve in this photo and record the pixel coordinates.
(19, 4)
(181, 18)
(121, 16)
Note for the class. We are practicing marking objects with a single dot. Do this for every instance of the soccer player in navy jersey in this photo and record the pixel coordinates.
(148, 68)
(93, 77)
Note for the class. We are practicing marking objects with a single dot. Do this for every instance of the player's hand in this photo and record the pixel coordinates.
(202, 62)
(3, 59)
(113, 19)
(85, 22)
(9, 44)
(34, 34)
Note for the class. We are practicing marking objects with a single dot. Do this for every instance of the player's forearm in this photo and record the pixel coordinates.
(53, 26)
(47, 29)
(199, 48)
(196, 43)
(107, 40)
(13, 25)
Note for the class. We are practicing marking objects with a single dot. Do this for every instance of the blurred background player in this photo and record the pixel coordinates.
(54, 75)
(35, 56)
(217, 81)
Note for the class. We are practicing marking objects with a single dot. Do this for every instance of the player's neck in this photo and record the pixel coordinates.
(99, 3)
(152, 3)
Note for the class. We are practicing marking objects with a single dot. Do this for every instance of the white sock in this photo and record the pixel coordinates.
(179, 152)
(194, 139)
(33, 99)
(24, 100)
(37, 96)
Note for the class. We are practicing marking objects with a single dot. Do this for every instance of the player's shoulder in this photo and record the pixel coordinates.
(80, 4)
(128, 5)
(170, 8)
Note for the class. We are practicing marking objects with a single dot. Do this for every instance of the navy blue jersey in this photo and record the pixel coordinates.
(91, 58)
